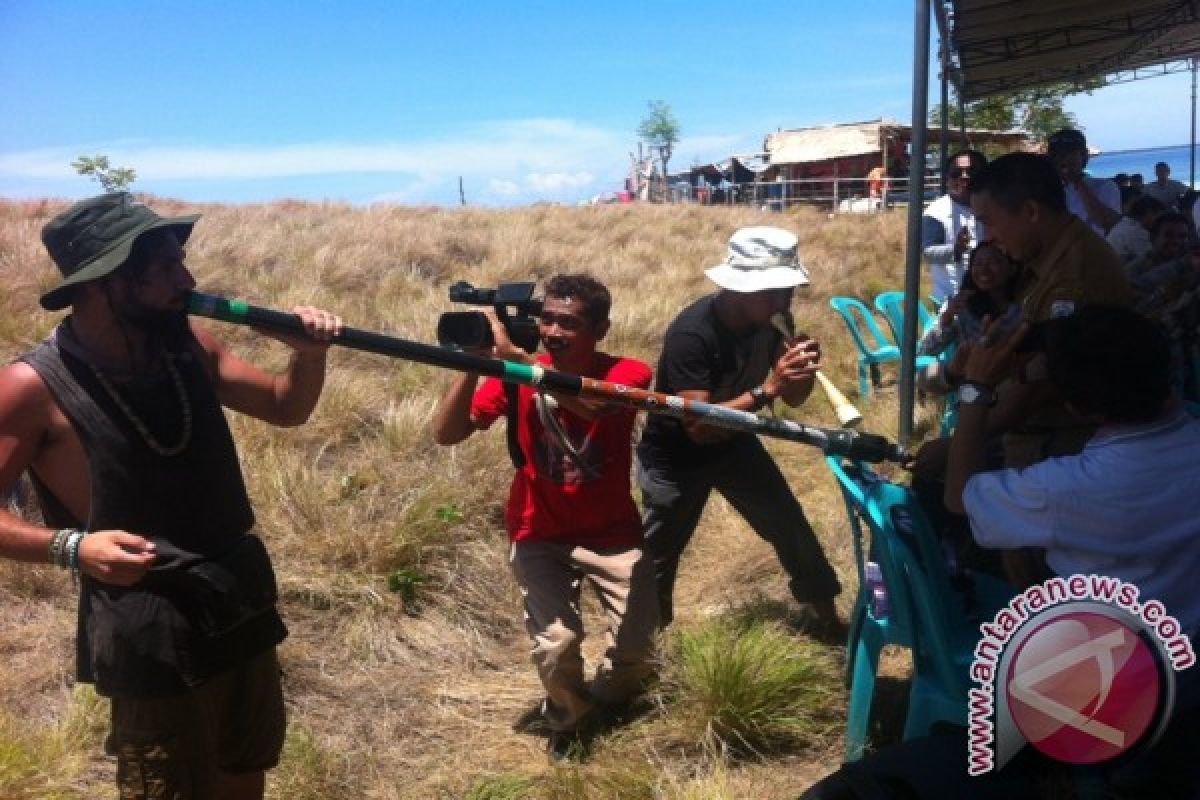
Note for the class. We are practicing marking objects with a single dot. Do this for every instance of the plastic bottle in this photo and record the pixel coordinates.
(877, 591)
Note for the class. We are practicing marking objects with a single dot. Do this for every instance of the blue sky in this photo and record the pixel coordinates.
(393, 101)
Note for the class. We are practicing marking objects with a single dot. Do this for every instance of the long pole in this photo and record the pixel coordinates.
(1192, 142)
(916, 197)
(832, 441)
(943, 144)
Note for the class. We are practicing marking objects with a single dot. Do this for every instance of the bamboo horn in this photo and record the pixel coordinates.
(847, 414)
(867, 447)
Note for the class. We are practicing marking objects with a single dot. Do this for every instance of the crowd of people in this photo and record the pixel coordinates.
(1073, 357)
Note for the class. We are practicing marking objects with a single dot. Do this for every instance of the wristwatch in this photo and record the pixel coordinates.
(760, 396)
(976, 394)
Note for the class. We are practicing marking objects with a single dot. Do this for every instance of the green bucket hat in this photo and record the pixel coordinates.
(95, 236)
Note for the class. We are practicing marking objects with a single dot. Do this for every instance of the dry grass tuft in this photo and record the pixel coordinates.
(407, 660)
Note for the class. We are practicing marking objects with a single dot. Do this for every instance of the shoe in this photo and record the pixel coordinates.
(820, 620)
(562, 746)
(533, 720)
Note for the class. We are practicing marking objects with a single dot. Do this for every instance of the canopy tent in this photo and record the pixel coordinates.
(992, 46)
(1001, 45)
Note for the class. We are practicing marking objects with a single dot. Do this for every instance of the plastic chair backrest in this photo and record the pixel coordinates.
(891, 305)
(919, 592)
(854, 494)
(861, 322)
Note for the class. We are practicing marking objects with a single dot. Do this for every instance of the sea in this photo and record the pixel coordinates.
(1142, 160)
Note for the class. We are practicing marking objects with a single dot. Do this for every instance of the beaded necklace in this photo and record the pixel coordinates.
(140, 426)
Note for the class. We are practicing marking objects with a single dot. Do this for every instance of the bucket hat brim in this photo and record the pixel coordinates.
(112, 258)
(738, 279)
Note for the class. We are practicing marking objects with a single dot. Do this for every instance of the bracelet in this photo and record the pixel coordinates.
(57, 543)
(73, 550)
(64, 548)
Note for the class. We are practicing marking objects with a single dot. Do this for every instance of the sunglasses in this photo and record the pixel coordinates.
(962, 172)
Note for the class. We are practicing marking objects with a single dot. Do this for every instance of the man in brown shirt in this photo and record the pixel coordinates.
(1020, 200)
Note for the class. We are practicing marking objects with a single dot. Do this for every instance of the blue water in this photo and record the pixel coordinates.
(1143, 160)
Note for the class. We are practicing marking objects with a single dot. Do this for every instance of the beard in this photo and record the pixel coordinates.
(164, 324)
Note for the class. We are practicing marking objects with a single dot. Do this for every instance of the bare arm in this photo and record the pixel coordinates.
(286, 399)
(987, 365)
(452, 421)
(27, 432)
(700, 433)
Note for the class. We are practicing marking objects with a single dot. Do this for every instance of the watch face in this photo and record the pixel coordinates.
(969, 393)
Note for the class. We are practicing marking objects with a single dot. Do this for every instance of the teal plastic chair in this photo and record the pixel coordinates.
(923, 614)
(873, 345)
(891, 305)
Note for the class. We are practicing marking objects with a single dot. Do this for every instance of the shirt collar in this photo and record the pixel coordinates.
(1115, 434)
(1070, 233)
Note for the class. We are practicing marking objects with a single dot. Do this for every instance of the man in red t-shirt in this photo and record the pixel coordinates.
(570, 514)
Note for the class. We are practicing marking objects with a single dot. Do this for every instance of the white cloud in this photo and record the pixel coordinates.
(503, 188)
(557, 181)
(542, 144)
(509, 157)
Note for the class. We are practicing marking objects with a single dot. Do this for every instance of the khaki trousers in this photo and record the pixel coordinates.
(551, 575)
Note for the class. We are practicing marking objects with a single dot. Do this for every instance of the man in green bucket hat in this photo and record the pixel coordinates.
(117, 417)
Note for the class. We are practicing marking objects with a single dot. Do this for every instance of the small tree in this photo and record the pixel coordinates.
(1038, 111)
(660, 130)
(113, 179)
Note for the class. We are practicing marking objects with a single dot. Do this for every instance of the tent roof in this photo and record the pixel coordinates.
(804, 145)
(1003, 45)
(808, 145)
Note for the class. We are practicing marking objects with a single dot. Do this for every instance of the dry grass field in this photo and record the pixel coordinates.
(407, 661)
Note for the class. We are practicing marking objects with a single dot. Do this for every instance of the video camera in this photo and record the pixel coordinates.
(469, 330)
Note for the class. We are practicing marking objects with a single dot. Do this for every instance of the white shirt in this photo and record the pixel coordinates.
(1127, 507)
(940, 224)
(1129, 239)
(1107, 192)
(1168, 194)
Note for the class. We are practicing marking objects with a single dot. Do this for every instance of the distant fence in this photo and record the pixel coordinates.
(835, 194)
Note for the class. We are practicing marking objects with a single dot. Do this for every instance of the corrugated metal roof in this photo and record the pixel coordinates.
(1004, 45)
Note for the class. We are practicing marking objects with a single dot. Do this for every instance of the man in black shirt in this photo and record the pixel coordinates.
(723, 349)
(117, 417)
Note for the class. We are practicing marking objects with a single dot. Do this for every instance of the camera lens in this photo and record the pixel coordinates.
(464, 330)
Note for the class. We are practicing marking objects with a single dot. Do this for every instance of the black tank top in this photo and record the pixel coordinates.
(192, 504)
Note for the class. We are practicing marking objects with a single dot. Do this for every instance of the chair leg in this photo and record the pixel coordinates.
(857, 615)
(864, 386)
(862, 693)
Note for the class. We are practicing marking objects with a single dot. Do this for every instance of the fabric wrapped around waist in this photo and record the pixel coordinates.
(221, 594)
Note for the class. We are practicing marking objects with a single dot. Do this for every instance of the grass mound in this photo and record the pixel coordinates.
(750, 687)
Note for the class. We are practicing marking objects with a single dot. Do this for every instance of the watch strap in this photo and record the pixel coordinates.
(977, 394)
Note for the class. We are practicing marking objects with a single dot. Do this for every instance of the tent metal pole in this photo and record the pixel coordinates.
(916, 196)
(943, 147)
(1192, 142)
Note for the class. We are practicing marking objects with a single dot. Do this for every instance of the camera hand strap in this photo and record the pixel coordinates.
(510, 429)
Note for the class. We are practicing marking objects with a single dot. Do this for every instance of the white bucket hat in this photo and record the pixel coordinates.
(759, 258)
